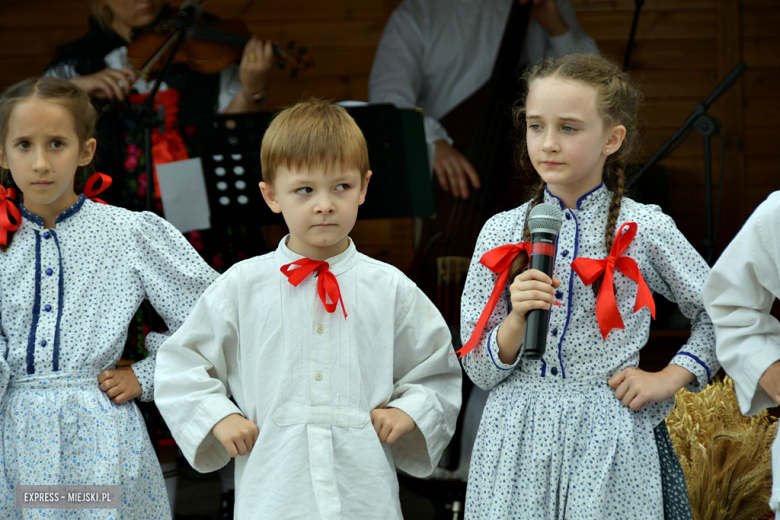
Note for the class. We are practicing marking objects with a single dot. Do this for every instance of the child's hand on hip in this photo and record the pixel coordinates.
(770, 381)
(532, 289)
(635, 387)
(236, 433)
(120, 384)
(391, 423)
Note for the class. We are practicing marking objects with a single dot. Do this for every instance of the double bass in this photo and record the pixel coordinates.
(482, 129)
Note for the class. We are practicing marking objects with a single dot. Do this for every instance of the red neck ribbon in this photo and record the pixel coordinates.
(91, 192)
(498, 260)
(327, 285)
(8, 209)
(589, 270)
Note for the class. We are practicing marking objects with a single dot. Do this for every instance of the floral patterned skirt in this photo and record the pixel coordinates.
(60, 428)
(558, 450)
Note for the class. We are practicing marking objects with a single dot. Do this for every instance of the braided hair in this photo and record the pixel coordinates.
(617, 101)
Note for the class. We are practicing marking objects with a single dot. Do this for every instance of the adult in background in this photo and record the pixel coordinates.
(98, 64)
(434, 54)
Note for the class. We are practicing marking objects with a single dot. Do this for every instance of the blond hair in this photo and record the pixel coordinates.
(617, 102)
(102, 12)
(53, 90)
(313, 133)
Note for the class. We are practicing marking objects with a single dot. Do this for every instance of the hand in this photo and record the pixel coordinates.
(391, 423)
(532, 289)
(107, 84)
(452, 168)
(547, 14)
(635, 387)
(256, 66)
(237, 434)
(120, 385)
(770, 382)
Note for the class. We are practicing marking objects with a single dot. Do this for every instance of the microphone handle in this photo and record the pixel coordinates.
(536, 320)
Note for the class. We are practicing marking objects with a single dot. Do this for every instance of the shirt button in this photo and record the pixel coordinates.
(47, 308)
(49, 272)
(320, 329)
(564, 253)
(46, 235)
(558, 294)
(43, 342)
(555, 331)
(554, 371)
(318, 376)
(568, 216)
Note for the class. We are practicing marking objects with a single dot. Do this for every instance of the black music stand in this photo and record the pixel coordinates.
(397, 152)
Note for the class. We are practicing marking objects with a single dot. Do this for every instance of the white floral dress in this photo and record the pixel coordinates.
(67, 296)
(554, 442)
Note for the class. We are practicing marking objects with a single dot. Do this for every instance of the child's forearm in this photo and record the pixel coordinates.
(510, 337)
(677, 376)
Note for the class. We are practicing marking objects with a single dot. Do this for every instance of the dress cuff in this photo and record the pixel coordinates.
(144, 372)
(492, 348)
(696, 366)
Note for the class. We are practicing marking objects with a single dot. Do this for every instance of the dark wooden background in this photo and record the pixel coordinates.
(682, 51)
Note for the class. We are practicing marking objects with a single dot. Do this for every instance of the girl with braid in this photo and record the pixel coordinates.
(580, 433)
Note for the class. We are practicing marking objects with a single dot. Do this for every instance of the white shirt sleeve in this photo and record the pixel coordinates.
(397, 73)
(191, 381)
(229, 86)
(739, 295)
(427, 383)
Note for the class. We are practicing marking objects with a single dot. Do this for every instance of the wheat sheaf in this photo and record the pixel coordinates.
(726, 457)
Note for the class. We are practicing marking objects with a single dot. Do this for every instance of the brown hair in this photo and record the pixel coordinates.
(53, 90)
(617, 101)
(313, 133)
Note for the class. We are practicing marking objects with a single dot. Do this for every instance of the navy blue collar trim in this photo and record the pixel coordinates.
(61, 217)
(71, 210)
(560, 202)
(581, 199)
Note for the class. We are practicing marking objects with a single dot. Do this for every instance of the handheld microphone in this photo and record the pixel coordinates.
(545, 223)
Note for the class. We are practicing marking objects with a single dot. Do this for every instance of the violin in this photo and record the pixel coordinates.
(208, 48)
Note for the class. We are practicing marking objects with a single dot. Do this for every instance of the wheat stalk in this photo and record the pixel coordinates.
(726, 457)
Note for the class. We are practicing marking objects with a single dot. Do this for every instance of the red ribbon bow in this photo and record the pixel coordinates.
(8, 208)
(589, 270)
(498, 260)
(91, 192)
(327, 285)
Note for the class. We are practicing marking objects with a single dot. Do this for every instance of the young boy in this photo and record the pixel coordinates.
(339, 365)
(738, 295)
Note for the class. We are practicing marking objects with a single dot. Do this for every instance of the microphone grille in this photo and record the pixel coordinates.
(545, 217)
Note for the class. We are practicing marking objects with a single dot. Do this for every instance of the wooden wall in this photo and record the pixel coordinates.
(682, 51)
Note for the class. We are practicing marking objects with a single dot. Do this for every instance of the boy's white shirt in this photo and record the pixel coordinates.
(738, 295)
(309, 380)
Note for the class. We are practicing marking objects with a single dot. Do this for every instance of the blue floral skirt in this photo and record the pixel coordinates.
(60, 428)
(554, 450)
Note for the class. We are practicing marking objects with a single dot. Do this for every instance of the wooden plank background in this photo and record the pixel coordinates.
(682, 51)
